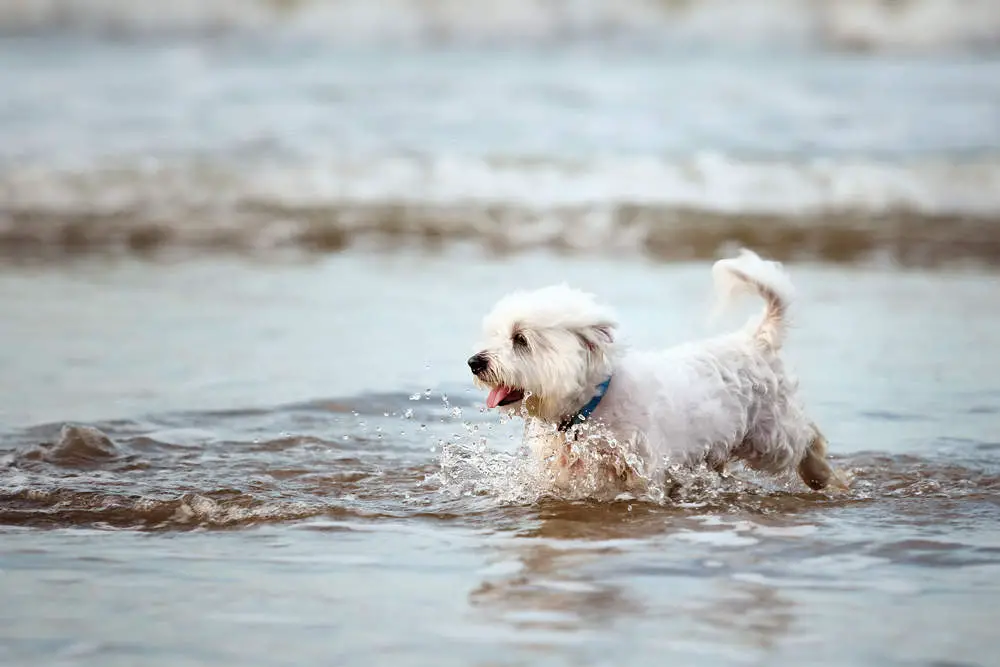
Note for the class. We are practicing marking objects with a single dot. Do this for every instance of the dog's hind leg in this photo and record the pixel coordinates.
(815, 470)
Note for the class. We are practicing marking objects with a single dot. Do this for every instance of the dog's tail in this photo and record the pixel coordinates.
(749, 273)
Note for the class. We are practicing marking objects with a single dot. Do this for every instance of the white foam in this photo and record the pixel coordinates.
(713, 183)
(915, 213)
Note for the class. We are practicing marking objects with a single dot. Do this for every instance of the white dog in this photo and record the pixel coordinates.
(593, 408)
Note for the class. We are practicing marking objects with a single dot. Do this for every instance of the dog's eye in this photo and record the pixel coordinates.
(519, 340)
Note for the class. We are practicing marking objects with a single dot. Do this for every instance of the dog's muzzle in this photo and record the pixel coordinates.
(478, 363)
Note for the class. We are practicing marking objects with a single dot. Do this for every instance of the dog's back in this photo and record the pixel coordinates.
(728, 397)
(692, 402)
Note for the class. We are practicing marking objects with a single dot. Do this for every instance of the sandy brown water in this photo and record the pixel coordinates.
(225, 462)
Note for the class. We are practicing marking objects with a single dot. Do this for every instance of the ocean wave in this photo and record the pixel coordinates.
(915, 213)
(840, 24)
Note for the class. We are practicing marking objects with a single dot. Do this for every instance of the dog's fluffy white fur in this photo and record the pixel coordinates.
(710, 402)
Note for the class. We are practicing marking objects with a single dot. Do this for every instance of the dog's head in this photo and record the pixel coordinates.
(547, 348)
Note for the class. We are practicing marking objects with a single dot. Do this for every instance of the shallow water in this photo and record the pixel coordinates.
(245, 248)
(282, 462)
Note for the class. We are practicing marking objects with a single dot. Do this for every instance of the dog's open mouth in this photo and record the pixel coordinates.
(503, 396)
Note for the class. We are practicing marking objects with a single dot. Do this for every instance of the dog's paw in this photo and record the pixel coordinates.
(840, 480)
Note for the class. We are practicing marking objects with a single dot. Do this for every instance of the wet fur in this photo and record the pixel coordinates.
(714, 401)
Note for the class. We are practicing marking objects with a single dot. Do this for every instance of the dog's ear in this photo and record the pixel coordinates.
(597, 337)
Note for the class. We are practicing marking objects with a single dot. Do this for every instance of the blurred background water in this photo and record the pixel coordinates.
(831, 130)
(244, 250)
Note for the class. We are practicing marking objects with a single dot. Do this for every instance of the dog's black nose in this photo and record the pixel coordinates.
(478, 363)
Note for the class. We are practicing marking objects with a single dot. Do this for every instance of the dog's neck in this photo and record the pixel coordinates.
(583, 414)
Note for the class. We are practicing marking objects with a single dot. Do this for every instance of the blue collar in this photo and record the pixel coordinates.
(584, 413)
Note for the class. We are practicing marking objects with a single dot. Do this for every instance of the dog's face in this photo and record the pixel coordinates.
(546, 349)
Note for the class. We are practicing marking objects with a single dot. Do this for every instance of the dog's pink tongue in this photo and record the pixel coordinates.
(497, 394)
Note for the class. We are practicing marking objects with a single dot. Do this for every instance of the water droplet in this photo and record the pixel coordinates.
(415, 397)
(408, 414)
(456, 412)
(347, 437)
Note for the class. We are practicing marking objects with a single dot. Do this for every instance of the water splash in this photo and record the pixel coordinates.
(292, 463)
(533, 470)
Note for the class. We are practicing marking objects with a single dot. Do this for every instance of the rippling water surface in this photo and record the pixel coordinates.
(327, 488)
